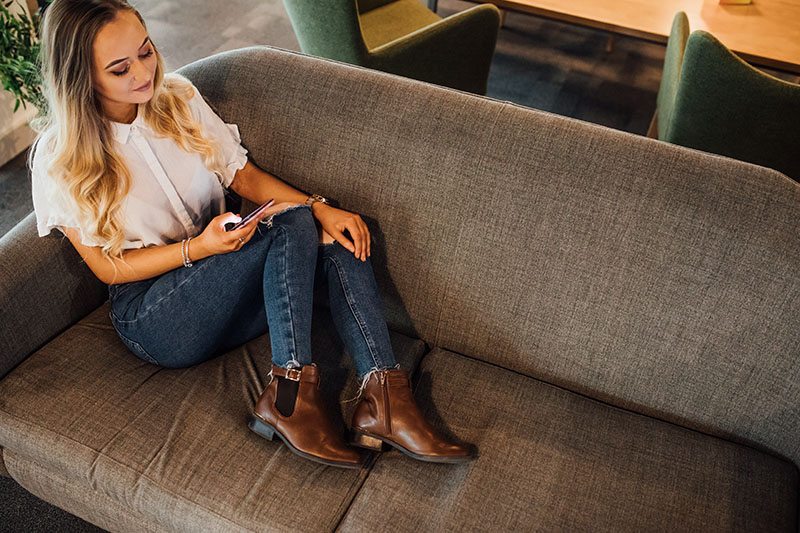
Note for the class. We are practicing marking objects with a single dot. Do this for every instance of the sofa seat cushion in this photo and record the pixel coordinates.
(75, 497)
(553, 460)
(173, 445)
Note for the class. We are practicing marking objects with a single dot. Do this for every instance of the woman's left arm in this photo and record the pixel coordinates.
(258, 186)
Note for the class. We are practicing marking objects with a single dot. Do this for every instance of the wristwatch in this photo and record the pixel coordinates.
(314, 198)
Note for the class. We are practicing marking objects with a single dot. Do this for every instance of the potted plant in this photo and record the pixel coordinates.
(19, 53)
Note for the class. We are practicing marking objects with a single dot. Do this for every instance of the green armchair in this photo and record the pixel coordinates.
(401, 37)
(676, 45)
(713, 101)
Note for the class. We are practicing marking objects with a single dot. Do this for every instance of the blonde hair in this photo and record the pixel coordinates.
(84, 166)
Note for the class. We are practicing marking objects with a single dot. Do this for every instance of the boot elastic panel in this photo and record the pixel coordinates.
(286, 396)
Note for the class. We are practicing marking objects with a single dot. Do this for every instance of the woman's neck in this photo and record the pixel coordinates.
(124, 115)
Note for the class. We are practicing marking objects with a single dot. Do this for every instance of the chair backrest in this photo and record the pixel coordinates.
(672, 71)
(329, 29)
(727, 107)
(369, 5)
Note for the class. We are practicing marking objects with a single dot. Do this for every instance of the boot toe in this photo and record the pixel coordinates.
(467, 451)
(346, 455)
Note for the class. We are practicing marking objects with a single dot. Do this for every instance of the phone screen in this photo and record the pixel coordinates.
(260, 209)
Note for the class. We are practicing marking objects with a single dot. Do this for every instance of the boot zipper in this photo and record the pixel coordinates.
(387, 419)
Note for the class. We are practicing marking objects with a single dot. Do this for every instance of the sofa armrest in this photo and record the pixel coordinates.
(3, 470)
(45, 287)
(454, 52)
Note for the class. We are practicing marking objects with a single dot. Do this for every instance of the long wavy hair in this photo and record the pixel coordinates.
(90, 176)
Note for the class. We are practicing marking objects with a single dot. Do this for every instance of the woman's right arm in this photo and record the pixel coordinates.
(144, 263)
(141, 264)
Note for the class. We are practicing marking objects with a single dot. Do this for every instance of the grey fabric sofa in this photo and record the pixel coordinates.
(613, 321)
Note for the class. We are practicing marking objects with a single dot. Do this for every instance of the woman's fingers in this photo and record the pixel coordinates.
(367, 238)
(225, 218)
(238, 237)
(341, 239)
(251, 233)
(336, 222)
(360, 234)
(358, 238)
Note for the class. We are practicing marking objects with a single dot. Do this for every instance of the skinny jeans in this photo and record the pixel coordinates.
(191, 314)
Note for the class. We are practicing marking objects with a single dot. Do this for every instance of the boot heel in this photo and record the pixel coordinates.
(365, 441)
(257, 425)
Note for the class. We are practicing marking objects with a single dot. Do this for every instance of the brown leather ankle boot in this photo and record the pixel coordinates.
(291, 407)
(387, 413)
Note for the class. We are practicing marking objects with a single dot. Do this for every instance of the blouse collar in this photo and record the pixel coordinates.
(122, 131)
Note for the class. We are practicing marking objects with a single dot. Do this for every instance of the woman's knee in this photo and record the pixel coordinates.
(298, 224)
(336, 258)
(340, 253)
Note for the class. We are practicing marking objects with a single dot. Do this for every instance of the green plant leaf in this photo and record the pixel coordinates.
(19, 53)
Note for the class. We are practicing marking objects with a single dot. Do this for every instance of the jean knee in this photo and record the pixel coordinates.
(298, 221)
(344, 257)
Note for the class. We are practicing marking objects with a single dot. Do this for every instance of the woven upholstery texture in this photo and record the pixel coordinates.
(173, 445)
(77, 498)
(552, 460)
(45, 287)
(654, 278)
(657, 278)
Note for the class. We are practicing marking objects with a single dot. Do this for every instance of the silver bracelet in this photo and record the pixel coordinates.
(185, 252)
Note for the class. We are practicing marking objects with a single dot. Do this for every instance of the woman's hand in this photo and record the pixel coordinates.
(215, 240)
(336, 221)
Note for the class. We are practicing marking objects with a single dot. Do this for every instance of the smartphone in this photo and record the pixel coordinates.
(230, 226)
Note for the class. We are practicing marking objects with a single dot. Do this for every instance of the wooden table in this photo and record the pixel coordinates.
(766, 32)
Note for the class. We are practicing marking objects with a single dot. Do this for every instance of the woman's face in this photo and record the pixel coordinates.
(124, 67)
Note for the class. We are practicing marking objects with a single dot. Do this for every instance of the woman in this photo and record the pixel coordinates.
(131, 164)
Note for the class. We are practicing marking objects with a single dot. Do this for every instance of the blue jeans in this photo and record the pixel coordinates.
(189, 315)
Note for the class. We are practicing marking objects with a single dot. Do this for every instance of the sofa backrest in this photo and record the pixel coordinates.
(653, 277)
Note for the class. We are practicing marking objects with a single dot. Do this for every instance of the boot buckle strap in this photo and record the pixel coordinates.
(293, 374)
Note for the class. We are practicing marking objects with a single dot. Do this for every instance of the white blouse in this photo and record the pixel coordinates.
(172, 195)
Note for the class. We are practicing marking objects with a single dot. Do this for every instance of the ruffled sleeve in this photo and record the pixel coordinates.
(234, 155)
(49, 203)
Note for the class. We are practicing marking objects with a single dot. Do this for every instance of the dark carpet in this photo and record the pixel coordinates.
(22, 512)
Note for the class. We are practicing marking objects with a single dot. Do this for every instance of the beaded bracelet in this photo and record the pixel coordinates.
(185, 252)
